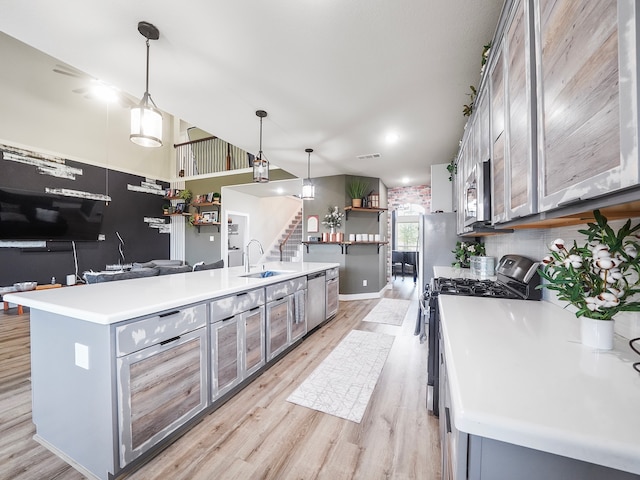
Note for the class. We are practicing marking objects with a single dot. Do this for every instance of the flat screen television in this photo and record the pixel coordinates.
(28, 215)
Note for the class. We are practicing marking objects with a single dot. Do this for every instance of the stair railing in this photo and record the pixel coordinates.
(208, 155)
(286, 239)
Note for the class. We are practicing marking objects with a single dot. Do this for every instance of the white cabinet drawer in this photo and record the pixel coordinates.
(230, 306)
(282, 289)
(139, 334)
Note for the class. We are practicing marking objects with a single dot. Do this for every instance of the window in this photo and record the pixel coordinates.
(406, 227)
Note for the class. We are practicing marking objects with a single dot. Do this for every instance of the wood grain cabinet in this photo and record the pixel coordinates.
(512, 137)
(497, 137)
(286, 314)
(161, 376)
(587, 98)
(237, 339)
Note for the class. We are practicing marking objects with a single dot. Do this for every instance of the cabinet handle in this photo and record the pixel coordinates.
(170, 340)
(570, 202)
(241, 294)
(228, 318)
(254, 309)
(447, 418)
(167, 314)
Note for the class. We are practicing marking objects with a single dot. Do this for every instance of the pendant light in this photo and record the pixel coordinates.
(146, 119)
(260, 164)
(308, 188)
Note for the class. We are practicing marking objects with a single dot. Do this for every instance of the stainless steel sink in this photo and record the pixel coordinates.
(266, 273)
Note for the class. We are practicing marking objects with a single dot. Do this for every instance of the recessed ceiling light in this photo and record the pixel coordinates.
(280, 190)
(391, 137)
(405, 180)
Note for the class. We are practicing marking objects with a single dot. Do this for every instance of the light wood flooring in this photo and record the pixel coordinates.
(258, 434)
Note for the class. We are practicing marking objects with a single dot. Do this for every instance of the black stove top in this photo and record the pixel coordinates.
(472, 287)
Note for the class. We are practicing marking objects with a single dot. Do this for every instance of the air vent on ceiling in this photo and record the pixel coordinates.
(368, 156)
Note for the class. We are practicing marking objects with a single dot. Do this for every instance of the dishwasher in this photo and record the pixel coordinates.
(315, 300)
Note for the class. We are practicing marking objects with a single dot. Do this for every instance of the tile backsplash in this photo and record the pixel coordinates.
(534, 243)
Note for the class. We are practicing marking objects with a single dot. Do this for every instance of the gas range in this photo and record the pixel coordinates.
(516, 278)
(471, 287)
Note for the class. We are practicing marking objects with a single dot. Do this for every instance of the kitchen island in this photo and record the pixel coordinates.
(523, 398)
(120, 369)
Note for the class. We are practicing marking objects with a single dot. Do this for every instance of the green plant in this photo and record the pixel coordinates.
(465, 250)
(357, 188)
(599, 278)
(333, 219)
(452, 168)
(467, 110)
(485, 53)
(185, 194)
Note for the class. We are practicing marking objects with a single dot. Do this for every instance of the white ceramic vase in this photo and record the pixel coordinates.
(596, 333)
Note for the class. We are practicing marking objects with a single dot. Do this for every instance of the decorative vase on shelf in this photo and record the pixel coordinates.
(356, 202)
(596, 333)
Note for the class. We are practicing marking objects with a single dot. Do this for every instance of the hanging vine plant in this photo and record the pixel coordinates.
(467, 110)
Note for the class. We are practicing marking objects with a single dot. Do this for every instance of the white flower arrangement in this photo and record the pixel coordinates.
(465, 250)
(333, 219)
(599, 278)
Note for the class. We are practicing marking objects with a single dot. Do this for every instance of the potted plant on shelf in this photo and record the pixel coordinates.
(357, 189)
(599, 278)
(464, 251)
(216, 197)
(186, 195)
(333, 220)
(166, 209)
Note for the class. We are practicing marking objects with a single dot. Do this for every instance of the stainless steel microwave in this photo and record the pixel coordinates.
(477, 195)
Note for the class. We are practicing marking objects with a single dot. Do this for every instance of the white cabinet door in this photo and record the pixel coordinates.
(159, 389)
(520, 140)
(225, 355)
(253, 340)
(587, 98)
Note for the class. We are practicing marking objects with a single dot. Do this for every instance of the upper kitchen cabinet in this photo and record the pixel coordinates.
(513, 158)
(587, 98)
(497, 142)
(520, 140)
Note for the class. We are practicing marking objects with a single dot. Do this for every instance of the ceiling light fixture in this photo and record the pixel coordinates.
(146, 119)
(308, 189)
(260, 164)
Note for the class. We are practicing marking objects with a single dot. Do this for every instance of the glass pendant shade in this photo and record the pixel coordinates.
(146, 126)
(260, 164)
(308, 189)
(260, 169)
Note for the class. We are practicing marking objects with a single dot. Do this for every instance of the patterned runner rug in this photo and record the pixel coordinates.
(388, 310)
(343, 383)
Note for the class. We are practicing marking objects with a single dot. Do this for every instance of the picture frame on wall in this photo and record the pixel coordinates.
(313, 224)
(207, 217)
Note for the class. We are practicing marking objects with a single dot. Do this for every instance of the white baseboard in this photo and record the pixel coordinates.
(361, 296)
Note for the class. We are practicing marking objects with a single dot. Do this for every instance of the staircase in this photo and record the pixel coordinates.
(292, 238)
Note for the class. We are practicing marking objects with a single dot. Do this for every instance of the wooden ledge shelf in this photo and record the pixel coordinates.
(344, 246)
(206, 224)
(378, 211)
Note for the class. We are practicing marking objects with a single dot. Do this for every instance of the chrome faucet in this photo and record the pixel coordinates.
(247, 265)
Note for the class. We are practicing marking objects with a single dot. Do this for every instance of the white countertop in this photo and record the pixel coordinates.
(111, 302)
(519, 374)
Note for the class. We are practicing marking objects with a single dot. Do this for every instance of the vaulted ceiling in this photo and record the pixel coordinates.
(335, 76)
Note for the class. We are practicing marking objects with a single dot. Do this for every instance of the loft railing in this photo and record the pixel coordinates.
(208, 155)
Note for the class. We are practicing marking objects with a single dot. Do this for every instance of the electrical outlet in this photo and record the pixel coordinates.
(101, 237)
(82, 356)
(211, 238)
(364, 283)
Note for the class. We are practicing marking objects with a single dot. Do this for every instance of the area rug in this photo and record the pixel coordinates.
(343, 383)
(388, 310)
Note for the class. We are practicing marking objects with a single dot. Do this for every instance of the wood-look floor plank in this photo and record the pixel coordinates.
(258, 434)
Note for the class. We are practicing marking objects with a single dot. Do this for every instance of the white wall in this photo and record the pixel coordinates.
(267, 215)
(41, 112)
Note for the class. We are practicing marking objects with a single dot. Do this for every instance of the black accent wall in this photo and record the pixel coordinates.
(125, 214)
